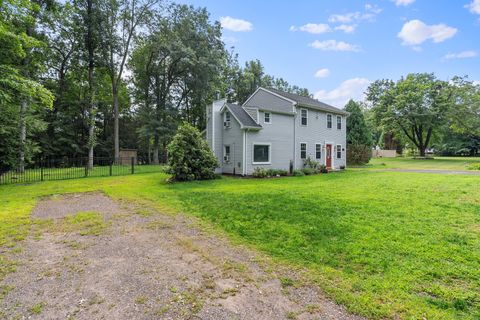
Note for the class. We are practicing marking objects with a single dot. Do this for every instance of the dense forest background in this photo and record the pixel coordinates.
(84, 78)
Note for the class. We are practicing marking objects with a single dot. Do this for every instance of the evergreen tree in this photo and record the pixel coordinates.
(358, 132)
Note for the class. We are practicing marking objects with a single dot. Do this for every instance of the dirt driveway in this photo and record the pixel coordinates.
(135, 263)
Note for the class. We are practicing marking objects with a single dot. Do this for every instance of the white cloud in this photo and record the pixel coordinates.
(462, 55)
(348, 89)
(322, 73)
(416, 32)
(236, 25)
(405, 3)
(315, 28)
(371, 11)
(474, 7)
(334, 45)
(347, 28)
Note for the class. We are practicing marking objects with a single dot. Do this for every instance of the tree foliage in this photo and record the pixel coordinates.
(415, 106)
(358, 133)
(189, 156)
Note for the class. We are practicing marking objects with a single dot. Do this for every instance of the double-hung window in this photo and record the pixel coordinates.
(339, 151)
(303, 151)
(267, 117)
(226, 154)
(261, 153)
(318, 151)
(339, 122)
(329, 121)
(227, 120)
(304, 116)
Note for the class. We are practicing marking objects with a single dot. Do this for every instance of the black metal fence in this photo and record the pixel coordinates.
(74, 168)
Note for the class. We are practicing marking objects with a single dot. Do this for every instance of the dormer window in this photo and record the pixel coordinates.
(226, 122)
(267, 117)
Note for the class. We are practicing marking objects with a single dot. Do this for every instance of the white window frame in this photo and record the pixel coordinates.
(341, 122)
(225, 153)
(269, 117)
(321, 153)
(269, 152)
(306, 150)
(306, 117)
(331, 121)
(228, 122)
(336, 152)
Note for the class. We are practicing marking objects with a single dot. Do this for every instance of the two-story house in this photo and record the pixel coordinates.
(275, 129)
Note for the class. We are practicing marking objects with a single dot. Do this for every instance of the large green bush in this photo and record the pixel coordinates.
(358, 154)
(189, 156)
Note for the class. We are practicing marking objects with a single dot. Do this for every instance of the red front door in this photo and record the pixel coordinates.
(329, 156)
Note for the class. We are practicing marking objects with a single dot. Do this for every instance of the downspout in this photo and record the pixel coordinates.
(294, 140)
(245, 152)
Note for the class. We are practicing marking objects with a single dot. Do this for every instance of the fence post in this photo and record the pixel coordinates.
(133, 165)
(86, 168)
(41, 170)
(111, 163)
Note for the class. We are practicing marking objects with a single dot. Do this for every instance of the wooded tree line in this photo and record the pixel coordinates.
(87, 77)
(417, 113)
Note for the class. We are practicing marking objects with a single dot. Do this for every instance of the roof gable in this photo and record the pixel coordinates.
(242, 116)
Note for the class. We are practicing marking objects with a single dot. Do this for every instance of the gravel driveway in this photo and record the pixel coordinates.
(148, 265)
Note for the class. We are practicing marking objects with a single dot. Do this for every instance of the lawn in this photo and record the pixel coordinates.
(438, 163)
(384, 244)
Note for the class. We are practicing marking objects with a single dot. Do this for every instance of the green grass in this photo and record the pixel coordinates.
(438, 163)
(385, 244)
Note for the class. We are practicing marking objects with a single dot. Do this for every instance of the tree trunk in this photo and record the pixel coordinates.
(23, 135)
(116, 122)
(91, 139)
(155, 150)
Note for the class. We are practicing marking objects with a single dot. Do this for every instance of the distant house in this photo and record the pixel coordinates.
(275, 129)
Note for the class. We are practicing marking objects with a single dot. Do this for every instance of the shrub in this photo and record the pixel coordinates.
(276, 172)
(259, 173)
(298, 173)
(189, 156)
(474, 166)
(312, 164)
(309, 171)
(358, 154)
(323, 169)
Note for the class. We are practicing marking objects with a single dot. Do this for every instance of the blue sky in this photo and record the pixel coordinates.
(349, 43)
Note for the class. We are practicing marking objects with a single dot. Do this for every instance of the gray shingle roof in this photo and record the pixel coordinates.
(308, 102)
(242, 116)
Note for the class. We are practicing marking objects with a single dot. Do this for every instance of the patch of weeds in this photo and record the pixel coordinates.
(160, 312)
(37, 308)
(87, 223)
(291, 315)
(74, 244)
(173, 290)
(188, 245)
(4, 290)
(229, 265)
(313, 308)
(96, 299)
(141, 300)
(157, 225)
(286, 282)
(145, 212)
(229, 292)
